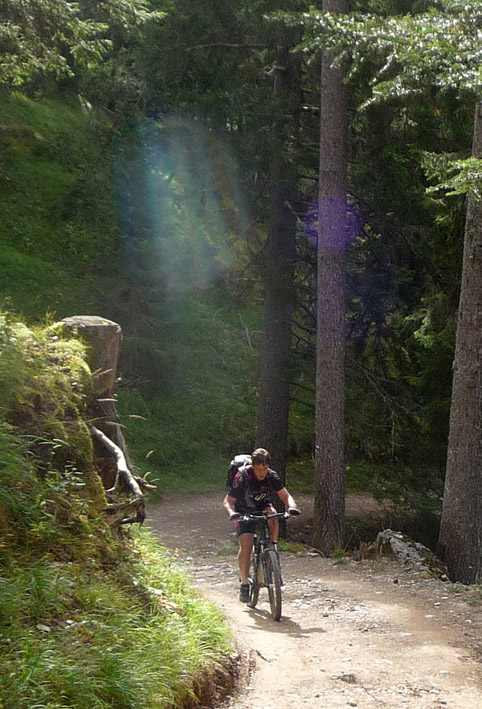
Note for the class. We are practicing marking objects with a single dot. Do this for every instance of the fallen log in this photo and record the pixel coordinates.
(408, 552)
(130, 512)
(122, 470)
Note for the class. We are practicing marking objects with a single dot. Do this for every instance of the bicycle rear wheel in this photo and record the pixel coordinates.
(254, 582)
(272, 579)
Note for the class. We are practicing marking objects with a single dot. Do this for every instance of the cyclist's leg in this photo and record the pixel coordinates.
(244, 555)
(244, 558)
(273, 524)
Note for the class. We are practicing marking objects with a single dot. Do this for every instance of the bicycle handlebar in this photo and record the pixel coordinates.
(255, 518)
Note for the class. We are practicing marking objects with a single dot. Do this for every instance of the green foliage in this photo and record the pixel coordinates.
(34, 38)
(204, 412)
(18, 487)
(129, 634)
(58, 213)
(398, 402)
(32, 286)
(291, 547)
(405, 55)
(454, 176)
(47, 383)
(224, 76)
(403, 287)
(300, 470)
(161, 240)
(187, 398)
(46, 450)
(58, 36)
(182, 337)
(409, 489)
(340, 556)
(56, 179)
(440, 46)
(85, 619)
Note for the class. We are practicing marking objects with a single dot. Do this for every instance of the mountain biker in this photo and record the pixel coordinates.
(249, 494)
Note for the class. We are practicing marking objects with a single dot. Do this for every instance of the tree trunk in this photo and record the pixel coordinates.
(329, 504)
(274, 392)
(460, 541)
(104, 337)
(275, 351)
(111, 456)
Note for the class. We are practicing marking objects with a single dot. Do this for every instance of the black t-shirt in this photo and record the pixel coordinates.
(252, 494)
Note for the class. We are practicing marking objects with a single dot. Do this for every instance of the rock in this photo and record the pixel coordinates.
(407, 551)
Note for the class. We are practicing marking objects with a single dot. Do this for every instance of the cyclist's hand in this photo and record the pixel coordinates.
(235, 516)
(294, 512)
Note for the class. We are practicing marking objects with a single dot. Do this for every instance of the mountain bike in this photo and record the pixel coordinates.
(265, 569)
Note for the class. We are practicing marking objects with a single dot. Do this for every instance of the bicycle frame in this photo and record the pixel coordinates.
(265, 564)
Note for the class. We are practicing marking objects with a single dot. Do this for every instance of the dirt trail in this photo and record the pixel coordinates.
(356, 634)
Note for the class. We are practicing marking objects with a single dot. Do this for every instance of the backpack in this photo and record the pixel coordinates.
(237, 462)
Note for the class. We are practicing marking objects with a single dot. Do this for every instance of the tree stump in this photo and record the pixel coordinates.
(103, 338)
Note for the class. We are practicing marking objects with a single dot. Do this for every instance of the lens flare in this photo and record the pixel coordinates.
(181, 203)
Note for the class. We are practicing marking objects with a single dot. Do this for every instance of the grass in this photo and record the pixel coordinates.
(291, 547)
(75, 636)
(186, 424)
(86, 619)
(58, 225)
(300, 476)
(472, 595)
(55, 178)
(340, 556)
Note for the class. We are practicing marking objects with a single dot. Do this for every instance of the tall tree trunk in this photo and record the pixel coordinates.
(460, 541)
(274, 390)
(329, 508)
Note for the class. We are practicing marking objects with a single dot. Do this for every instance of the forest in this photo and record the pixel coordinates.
(280, 205)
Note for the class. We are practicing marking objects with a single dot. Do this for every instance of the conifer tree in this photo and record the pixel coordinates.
(329, 509)
(440, 48)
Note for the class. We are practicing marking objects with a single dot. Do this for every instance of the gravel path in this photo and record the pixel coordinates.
(352, 634)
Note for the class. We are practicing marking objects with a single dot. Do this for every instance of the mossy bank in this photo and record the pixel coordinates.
(87, 618)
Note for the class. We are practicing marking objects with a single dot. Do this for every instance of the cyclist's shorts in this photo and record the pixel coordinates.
(245, 527)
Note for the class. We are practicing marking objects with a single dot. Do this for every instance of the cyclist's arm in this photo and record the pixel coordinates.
(228, 504)
(286, 498)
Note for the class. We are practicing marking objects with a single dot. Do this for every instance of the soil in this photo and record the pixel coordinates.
(368, 633)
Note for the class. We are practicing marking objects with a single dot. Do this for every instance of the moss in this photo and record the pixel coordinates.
(49, 393)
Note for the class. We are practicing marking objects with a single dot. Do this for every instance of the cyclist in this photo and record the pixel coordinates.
(249, 494)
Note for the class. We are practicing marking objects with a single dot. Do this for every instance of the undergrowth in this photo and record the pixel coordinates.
(58, 222)
(100, 623)
(86, 619)
(185, 422)
(125, 631)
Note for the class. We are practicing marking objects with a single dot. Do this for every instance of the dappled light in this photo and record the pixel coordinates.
(275, 210)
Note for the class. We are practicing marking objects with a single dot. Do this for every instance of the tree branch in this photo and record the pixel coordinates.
(231, 45)
(122, 470)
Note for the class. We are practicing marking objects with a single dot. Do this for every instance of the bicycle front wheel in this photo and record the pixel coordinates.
(272, 579)
(254, 583)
